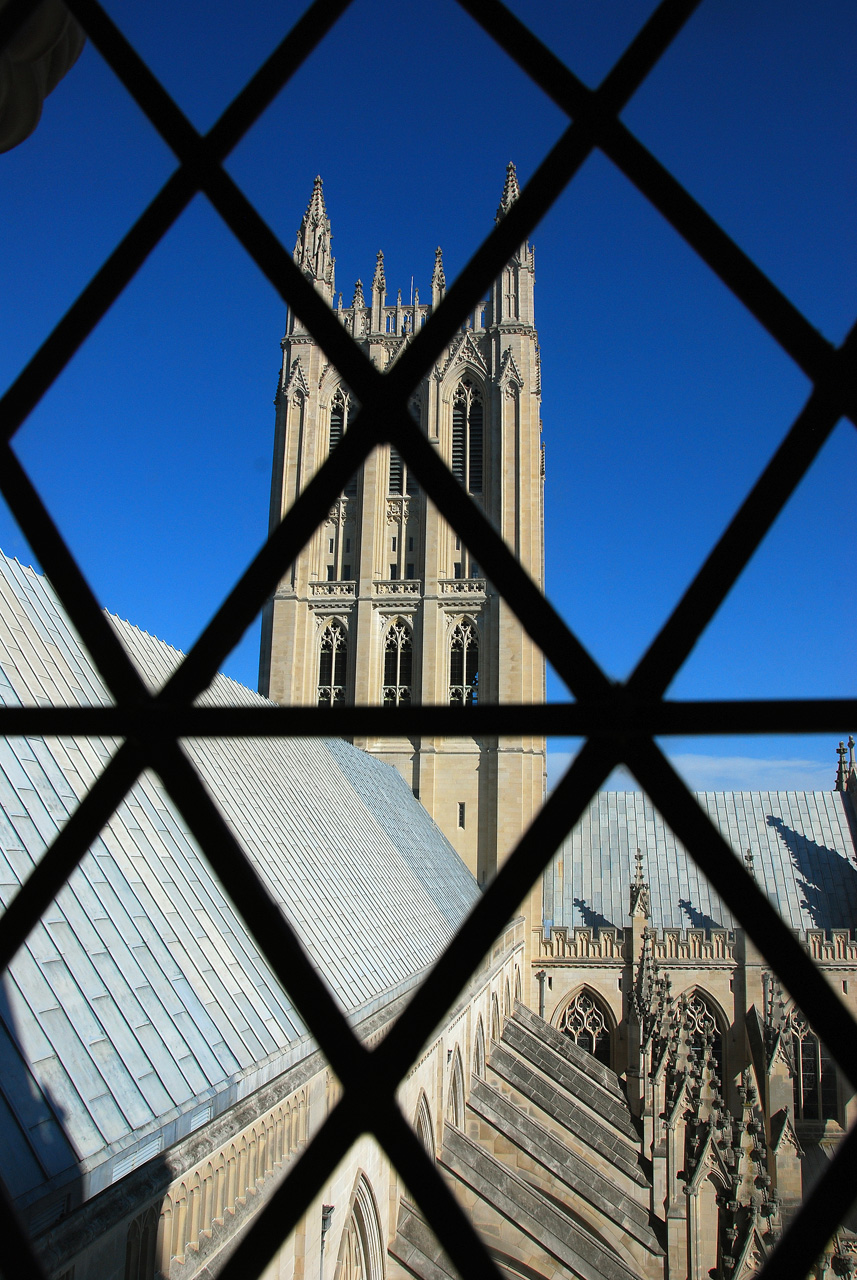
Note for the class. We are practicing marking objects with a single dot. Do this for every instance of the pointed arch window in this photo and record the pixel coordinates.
(455, 1098)
(464, 665)
(424, 1126)
(468, 432)
(585, 1022)
(339, 407)
(479, 1051)
(815, 1089)
(361, 1251)
(332, 664)
(701, 1022)
(495, 1017)
(141, 1246)
(398, 664)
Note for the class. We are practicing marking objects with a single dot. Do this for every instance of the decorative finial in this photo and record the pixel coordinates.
(438, 280)
(640, 902)
(316, 210)
(379, 283)
(312, 249)
(511, 191)
(358, 300)
(850, 752)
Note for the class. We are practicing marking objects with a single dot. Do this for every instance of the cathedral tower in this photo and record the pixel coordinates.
(385, 605)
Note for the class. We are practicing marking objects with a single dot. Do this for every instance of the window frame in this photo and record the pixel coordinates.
(336, 631)
(601, 713)
(463, 692)
(398, 692)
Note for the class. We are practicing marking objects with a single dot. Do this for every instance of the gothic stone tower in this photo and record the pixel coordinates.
(385, 605)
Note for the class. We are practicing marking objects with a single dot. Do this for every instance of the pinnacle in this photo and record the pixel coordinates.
(315, 209)
(438, 279)
(511, 191)
(379, 281)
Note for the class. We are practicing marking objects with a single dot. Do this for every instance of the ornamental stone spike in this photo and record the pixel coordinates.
(312, 247)
(379, 280)
(316, 212)
(511, 191)
(640, 905)
(438, 279)
(379, 294)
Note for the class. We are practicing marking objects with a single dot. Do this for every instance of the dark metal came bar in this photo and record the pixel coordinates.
(567, 720)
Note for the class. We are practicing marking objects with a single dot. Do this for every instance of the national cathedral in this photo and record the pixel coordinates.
(385, 605)
(622, 1089)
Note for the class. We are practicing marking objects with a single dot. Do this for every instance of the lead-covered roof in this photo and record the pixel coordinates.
(801, 843)
(141, 995)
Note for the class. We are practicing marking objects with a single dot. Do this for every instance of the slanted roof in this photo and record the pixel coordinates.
(803, 852)
(141, 995)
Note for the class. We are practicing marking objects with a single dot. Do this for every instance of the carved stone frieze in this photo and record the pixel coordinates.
(398, 509)
(385, 610)
(325, 610)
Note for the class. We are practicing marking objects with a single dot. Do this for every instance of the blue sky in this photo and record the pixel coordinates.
(662, 398)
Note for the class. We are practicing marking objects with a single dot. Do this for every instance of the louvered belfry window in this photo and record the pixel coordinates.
(619, 722)
(468, 437)
(338, 422)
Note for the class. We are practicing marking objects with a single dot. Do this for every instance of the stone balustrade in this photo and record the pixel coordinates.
(397, 587)
(333, 589)
(461, 586)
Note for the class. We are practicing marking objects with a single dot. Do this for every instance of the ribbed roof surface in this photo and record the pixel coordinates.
(803, 852)
(141, 995)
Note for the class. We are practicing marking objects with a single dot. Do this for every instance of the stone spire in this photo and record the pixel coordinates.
(511, 191)
(312, 248)
(358, 300)
(438, 279)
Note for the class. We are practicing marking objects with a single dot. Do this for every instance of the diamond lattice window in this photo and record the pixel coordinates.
(620, 722)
